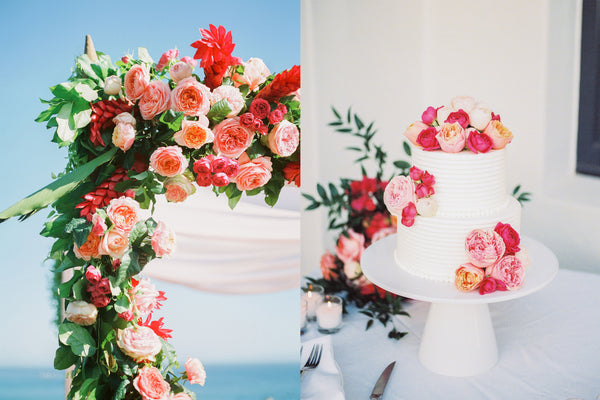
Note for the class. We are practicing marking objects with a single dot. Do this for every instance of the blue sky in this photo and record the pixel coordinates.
(39, 42)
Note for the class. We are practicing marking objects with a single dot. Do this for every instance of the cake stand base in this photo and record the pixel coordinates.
(458, 339)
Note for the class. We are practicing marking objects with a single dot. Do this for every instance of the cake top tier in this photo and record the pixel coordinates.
(464, 124)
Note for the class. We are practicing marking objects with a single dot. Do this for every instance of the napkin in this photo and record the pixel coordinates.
(325, 381)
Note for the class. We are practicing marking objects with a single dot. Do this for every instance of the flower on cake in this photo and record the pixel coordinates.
(409, 196)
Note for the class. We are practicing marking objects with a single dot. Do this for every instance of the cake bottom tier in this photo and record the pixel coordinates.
(434, 247)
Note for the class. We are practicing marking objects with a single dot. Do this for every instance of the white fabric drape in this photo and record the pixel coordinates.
(251, 249)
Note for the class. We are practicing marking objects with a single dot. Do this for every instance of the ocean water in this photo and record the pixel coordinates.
(223, 382)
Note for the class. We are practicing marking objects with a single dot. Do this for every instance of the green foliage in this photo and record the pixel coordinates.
(77, 338)
(520, 195)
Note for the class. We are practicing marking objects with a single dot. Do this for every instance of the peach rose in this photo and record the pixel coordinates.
(168, 161)
(180, 70)
(465, 103)
(81, 313)
(89, 249)
(112, 85)
(150, 384)
(255, 73)
(500, 135)
(193, 134)
(178, 188)
(253, 174)
(509, 270)
(328, 266)
(468, 277)
(139, 343)
(163, 240)
(123, 136)
(136, 81)
(352, 269)
(155, 100)
(350, 248)
(413, 130)
(195, 371)
(124, 213)
(480, 116)
(232, 95)
(232, 138)
(114, 243)
(145, 297)
(124, 118)
(398, 193)
(443, 113)
(484, 248)
(451, 137)
(191, 97)
(284, 138)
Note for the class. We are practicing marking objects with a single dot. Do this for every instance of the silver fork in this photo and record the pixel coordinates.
(313, 358)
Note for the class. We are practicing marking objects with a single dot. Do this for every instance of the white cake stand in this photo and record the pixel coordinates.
(459, 338)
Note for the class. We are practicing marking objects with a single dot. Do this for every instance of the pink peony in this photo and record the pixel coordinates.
(114, 243)
(124, 212)
(398, 193)
(150, 384)
(193, 134)
(452, 137)
(168, 161)
(510, 271)
(408, 214)
(145, 297)
(468, 277)
(510, 236)
(166, 58)
(413, 131)
(163, 240)
(81, 313)
(195, 371)
(123, 136)
(178, 188)
(484, 248)
(350, 248)
(139, 343)
(478, 142)
(180, 70)
(429, 115)
(328, 266)
(232, 138)
(460, 117)
(427, 139)
(136, 81)
(232, 95)
(92, 274)
(254, 173)
(284, 138)
(255, 73)
(499, 134)
(191, 97)
(155, 100)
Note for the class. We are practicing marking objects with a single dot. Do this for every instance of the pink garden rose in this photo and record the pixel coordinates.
(398, 193)
(415, 173)
(451, 137)
(150, 384)
(232, 138)
(510, 236)
(284, 138)
(254, 173)
(468, 277)
(195, 371)
(136, 81)
(163, 240)
(168, 161)
(484, 248)
(180, 70)
(123, 136)
(461, 117)
(427, 139)
(191, 97)
(255, 73)
(510, 271)
(480, 116)
(178, 188)
(124, 212)
(499, 134)
(98, 225)
(193, 134)
(145, 297)
(328, 266)
(429, 115)
(139, 343)
(232, 95)
(114, 243)
(166, 58)
(81, 313)
(93, 274)
(478, 142)
(350, 248)
(155, 100)
(413, 131)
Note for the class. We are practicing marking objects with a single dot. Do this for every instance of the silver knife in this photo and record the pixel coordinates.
(381, 382)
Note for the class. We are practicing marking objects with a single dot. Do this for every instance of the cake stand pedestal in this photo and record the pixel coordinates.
(458, 339)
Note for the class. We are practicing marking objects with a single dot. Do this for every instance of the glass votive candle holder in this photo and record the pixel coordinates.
(303, 322)
(314, 296)
(329, 314)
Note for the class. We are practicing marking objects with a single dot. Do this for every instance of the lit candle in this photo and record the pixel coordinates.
(329, 314)
(313, 294)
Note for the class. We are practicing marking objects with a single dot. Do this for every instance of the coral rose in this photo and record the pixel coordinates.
(180, 70)
(484, 248)
(168, 161)
(163, 240)
(328, 266)
(178, 188)
(413, 131)
(398, 193)
(350, 248)
(193, 134)
(145, 297)
(232, 138)
(509, 270)
(255, 73)
(500, 135)
(155, 100)
(232, 95)
(89, 249)
(139, 343)
(253, 173)
(114, 243)
(150, 384)
(136, 81)
(451, 137)
(284, 138)
(191, 97)
(81, 313)
(468, 277)
(195, 371)
(124, 212)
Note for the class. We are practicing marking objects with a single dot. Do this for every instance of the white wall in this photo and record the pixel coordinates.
(389, 60)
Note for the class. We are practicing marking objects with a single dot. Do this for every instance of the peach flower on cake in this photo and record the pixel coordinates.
(163, 240)
(284, 138)
(500, 135)
(82, 313)
(124, 212)
(399, 192)
(168, 161)
(195, 371)
(253, 173)
(139, 343)
(89, 249)
(191, 97)
(115, 243)
(136, 81)
(484, 248)
(468, 277)
(231, 95)
(350, 248)
(150, 384)
(178, 188)
(413, 131)
(155, 100)
(194, 134)
(231, 137)
(255, 73)
(480, 116)
(451, 137)
(443, 113)
(180, 70)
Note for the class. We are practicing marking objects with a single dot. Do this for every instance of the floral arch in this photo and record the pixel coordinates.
(136, 129)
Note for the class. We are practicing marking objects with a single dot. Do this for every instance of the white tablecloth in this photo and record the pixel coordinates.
(548, 348)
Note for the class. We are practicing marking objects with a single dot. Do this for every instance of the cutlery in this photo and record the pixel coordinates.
(381, 382)
(313, 358)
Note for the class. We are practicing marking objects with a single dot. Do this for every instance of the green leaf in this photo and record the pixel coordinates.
(172, 119)
(234, 200)
(64, 131)
(337, 114)
(122, 389)
(137, 234)
(369, 324)
(312, 206)
(80, 229)
(322, 192)
(219, 111)
(358, 122)
(401, 164)
(406, 148)
(516, 189)
(64, 358)
(78, 338)
(86, 92)
(122, 304)
(55, 190)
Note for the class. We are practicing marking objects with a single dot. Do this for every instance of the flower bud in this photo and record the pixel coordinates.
(112, 85)
(81, 313)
